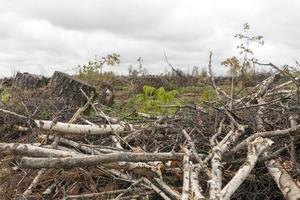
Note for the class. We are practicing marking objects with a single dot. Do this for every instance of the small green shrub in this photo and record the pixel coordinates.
(92, 72)
(151, 99)
(5, 96)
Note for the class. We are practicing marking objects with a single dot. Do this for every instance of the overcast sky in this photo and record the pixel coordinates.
(40, 36)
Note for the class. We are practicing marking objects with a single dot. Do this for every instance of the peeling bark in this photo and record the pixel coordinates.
(284, 181)
(34, 151)
(255, 149)
(34, 163)
(196, 190)
(78, 129)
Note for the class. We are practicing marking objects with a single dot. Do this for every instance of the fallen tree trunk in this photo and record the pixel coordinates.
(84, 161)
(34, 151)
(78, 129)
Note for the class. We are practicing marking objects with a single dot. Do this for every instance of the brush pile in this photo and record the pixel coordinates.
(232, 148)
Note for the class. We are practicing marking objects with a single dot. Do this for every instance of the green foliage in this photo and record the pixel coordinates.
(44, 114)
(205, 93)
(242, 93)
(208, 94)
(151, 99)
(94, 67)
(148, 90)
(189, 89)
(5, 96)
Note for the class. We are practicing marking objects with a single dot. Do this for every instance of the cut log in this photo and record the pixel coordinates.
(78, 129)
(30, 81)
(67, 87)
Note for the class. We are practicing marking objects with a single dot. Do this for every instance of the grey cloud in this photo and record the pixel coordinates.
(42, 36)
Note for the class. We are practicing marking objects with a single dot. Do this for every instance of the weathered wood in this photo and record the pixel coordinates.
(283, 179)
(30, 81)
(78, 129)
(6, 82)
(84, 161)
(35, 151)
(68, 87)
(255, 149)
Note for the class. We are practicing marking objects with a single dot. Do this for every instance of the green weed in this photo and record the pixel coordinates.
(151, 99)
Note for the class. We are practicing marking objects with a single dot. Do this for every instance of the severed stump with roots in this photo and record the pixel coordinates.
(68, 87)
(30, 81)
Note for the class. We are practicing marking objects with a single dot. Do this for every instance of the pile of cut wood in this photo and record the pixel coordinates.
(233, 148)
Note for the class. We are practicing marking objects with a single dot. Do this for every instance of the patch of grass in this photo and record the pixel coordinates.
(44, 114)
(189, 89)
(208, 94)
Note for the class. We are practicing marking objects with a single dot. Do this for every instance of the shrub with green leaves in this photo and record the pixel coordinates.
(5, 96)
(151, 99)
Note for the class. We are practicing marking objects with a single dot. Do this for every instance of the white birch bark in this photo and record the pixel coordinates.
(216, 161)
(83, 161)
(34, 151)
(284, 181)
(255, 149)
(78, 129)
(186, 177)
(196, 190)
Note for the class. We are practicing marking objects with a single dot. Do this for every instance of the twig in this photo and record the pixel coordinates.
(193, 148)
(155, 188)
(274, 133)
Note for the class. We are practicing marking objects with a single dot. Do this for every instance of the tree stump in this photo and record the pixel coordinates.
(6, 82)
(66, 86)
(30, 81)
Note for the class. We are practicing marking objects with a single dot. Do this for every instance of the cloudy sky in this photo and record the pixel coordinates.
(40, 36)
